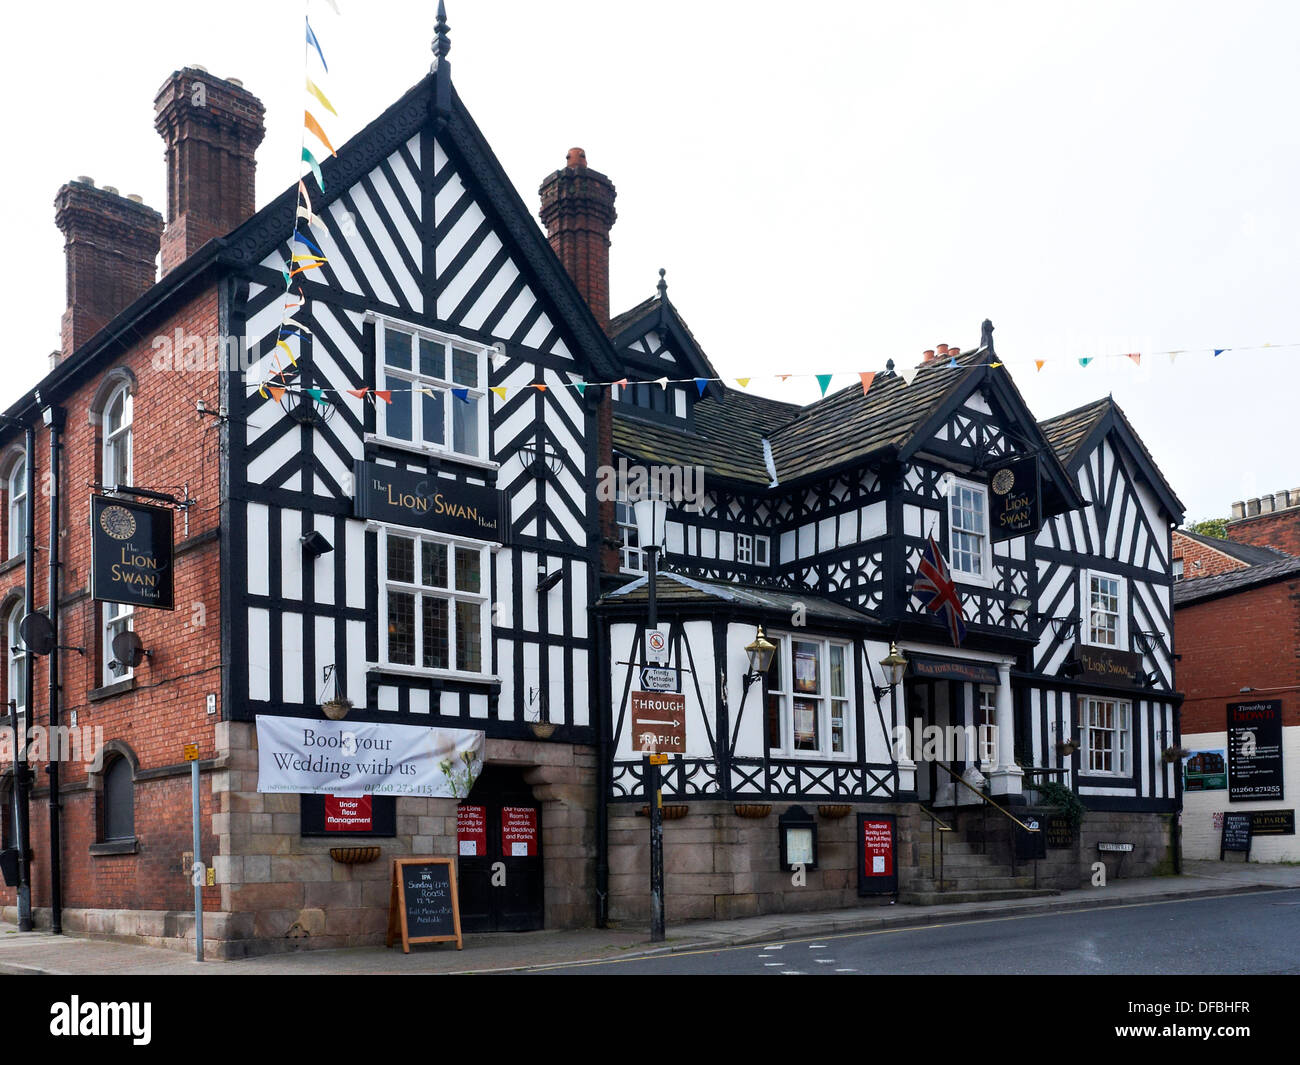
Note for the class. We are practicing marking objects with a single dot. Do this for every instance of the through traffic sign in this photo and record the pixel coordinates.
(658, 722)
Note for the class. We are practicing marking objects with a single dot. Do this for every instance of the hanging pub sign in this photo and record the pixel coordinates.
(1106, 665)
(1015, 502)
(424, 501)
(1255, 750)
(130, 553)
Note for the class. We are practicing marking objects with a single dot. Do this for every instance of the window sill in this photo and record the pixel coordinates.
(12, 563)
(432, 674)
(431, 452)
(115, 846)
(110, 690)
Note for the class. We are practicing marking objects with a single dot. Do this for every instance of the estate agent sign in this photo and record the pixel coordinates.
(130, 553)
(392, 494)
(1255, 750)
(307, 757)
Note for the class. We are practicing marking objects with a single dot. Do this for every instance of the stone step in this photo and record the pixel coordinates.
(919, 896)
(979, 880)
(966, 864)
(951, 845)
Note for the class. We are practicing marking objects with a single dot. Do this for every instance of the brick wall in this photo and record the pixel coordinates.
(1201, 560)
(1279, 529)
(1250, 639)
(149, 718)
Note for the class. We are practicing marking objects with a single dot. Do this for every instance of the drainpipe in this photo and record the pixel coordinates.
(22, 773)
(53, 417)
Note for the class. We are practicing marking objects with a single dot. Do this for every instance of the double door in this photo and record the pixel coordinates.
(499, 841)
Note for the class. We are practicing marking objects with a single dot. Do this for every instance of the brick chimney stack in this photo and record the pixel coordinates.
(110, 246)
(578, 212)
(212, 127)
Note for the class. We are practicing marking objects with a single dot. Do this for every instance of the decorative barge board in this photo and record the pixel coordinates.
(437, 279)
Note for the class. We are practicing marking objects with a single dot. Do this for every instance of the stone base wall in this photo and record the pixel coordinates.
(1068, 868)
(719, 866)
(280, 891)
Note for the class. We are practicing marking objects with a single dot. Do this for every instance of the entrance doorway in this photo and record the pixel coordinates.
(499, 840)
(945, 704)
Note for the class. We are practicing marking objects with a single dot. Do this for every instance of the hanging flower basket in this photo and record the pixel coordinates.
(753, 810)
(1068, 748)
(336, 709)
(835, 811)
(1174, 754)
(543, 730)
(674, 812)
(354, 855)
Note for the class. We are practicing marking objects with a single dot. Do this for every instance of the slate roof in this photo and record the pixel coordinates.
(1247, 553)
(1067, 431)
(1199, 589)
(675, 588)
(727, 441)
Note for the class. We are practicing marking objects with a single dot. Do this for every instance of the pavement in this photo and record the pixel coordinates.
(41, 953)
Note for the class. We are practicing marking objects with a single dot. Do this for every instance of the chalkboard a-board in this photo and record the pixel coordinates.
(422, 906)
(1237, 830)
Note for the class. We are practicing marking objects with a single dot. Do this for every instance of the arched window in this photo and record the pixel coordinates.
(16, 485)
(116, 469)
(18, 661)
(119, 800)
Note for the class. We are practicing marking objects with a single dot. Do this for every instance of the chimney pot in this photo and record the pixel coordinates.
(83, 180)
(943, 349)
(211, 127)
(928, 355)
(576, 159)
(1238, 511)
(111, 188)
(135, 197)
(236, 82)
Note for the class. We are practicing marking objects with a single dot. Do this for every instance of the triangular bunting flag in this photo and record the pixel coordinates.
(1220, 351)
(908, 374)
(824, 379)
(293, 359)
(1173, 355)
(701, 383)
(461, 393)
(304, 268)
(386, 395)
(622, 382)
(953, 364)
(309, 120)
(867, 378)
(539, 387)
(314, 89)
(311, 40)
(783, 376)
(1136, 356)
(663, 383)
(501, 392)
(1038, 365)
(302, 238)
(581, 386)
(318, 394)
(360, 393)
(1084, 362)
(277, 393)
(310, 160)
(743, 382)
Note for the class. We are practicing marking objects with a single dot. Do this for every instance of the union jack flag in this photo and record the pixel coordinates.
(938, 591)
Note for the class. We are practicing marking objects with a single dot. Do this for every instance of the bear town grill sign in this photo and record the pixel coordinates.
(426, 501)
(131, 553)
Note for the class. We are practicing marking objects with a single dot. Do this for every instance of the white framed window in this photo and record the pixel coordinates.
(986, 717)
(17, 491)
(745, 548)
(1107, 737)
(808, 705)
(434, 603)
(1104, 623)
(438, 386)
(116, 466)
(18, 660)
(117, 618)
(631, 559)
(762, 551)
(1178, 569)
(968, 533)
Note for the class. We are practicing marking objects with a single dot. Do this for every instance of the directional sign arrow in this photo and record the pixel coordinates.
(657, 721)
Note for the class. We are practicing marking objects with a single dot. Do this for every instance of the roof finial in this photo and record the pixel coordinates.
(986, 337)
(889, 366)
(441, 42)
(663, 285)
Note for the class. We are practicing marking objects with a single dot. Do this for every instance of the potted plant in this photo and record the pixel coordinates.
(1174, 754)
(1068, 748)
(1050, 793)
(336, 709)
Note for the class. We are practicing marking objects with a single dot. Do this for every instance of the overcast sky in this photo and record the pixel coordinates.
(828, 184)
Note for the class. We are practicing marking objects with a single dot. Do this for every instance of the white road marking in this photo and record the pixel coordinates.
(824, 961)
(846, 970)
(816, 946)
(773, 964)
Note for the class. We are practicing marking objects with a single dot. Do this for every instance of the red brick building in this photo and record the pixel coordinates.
(1238, 634)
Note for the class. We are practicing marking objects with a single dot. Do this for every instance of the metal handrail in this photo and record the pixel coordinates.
(984, 798)
(930, 814)
(936, 823)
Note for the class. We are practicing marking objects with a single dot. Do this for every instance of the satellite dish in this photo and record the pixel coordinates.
(37, 633)
(128, 649)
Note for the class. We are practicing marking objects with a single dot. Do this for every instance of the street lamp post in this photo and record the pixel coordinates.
(651, 520)
(894, 665)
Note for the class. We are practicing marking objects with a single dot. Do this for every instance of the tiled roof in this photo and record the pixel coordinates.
(1247, 553)
(621, 321)
(727, 441)
(1067, 431)
(674, 588)
(1201, 588)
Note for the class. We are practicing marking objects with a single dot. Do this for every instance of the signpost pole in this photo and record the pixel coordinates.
(197, 867)
(654, 793)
